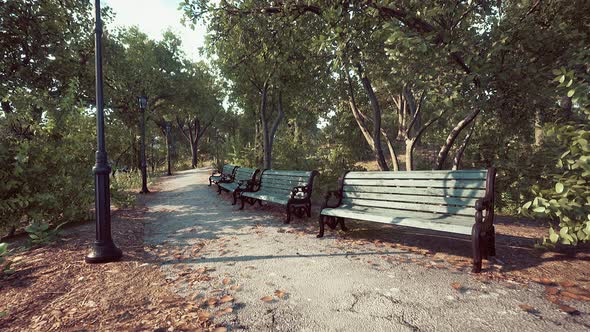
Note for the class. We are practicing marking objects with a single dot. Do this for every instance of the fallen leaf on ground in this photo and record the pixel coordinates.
(546, 281)
(226, 298)
(570, 310)
(567, 283)
(280, 293)
(553, 299)
(220, 329)
(204, 315)
(528, 308)
(551, 290)
(266, 298)
(226, 281)
(456, 285)
(571, 295)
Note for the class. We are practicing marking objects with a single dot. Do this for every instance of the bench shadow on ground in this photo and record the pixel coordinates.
(514, 252)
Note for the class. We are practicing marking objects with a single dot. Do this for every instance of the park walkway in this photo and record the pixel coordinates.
(255, 273)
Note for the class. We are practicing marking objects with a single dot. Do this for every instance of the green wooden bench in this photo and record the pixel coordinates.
(226, 174)
(290, 188)
(243, 180)
(460, 202)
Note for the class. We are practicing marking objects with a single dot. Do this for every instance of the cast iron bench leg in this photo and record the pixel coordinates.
(242, 199)
(492, 242)
(235, 194)
(288, 214)
(342, 226)
(321, 234)
(476, 246)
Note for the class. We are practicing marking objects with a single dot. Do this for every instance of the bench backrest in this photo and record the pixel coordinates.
(445, 192)
(245, 174)
(228, 169)
(281, 183)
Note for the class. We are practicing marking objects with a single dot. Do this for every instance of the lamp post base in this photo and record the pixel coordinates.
(104, 253)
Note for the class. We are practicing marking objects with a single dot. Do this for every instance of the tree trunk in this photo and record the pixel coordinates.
(376, 119)
(266, 153)
(168, 150)
(538, 129)
(410, 143)
(268, 134)
(194, 159)
(461, 150)
(444, 150)
(358, 116)
(193, 134)
(392, 153)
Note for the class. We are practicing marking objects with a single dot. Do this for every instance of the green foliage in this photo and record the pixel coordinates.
(42, 233)
(566, 197)
(5, 263)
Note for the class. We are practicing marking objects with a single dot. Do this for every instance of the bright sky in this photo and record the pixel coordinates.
(156, 16)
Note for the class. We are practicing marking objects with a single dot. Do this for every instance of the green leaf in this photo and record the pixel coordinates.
(553, 238)
(539, 209)
(559, 187)
(563, 231)
(571, 92)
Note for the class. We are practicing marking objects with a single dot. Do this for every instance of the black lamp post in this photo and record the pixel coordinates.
(104, 249)
(142, 106)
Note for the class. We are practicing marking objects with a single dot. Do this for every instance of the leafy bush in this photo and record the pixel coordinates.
(567, 199)
(42, 233)
(5, 263)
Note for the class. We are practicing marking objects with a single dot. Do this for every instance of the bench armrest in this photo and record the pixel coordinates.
(300, 192)
(226, 178)
(327, 197)
(481, 205)
(249, 185)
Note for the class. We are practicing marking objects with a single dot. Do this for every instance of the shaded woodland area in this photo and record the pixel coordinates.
(326, 85)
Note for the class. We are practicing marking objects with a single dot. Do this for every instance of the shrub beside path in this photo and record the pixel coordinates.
(249, 271)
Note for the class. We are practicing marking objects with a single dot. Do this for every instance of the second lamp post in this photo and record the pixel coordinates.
(142, 106)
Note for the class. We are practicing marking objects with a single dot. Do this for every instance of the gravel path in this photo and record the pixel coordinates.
(278, 277)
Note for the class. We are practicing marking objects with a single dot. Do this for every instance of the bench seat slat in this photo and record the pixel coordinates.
(429, 175)
(230, 186)
(455, 192)
(458, 201)
(276, 187)
(275, 191)
(470, 184)
(243, 174)
(267, 197)
(439, 222)
(288, 173)
(284, 183)
(445, 209)
(286, 178)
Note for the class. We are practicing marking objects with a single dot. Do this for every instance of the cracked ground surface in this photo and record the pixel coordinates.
(252, 272)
